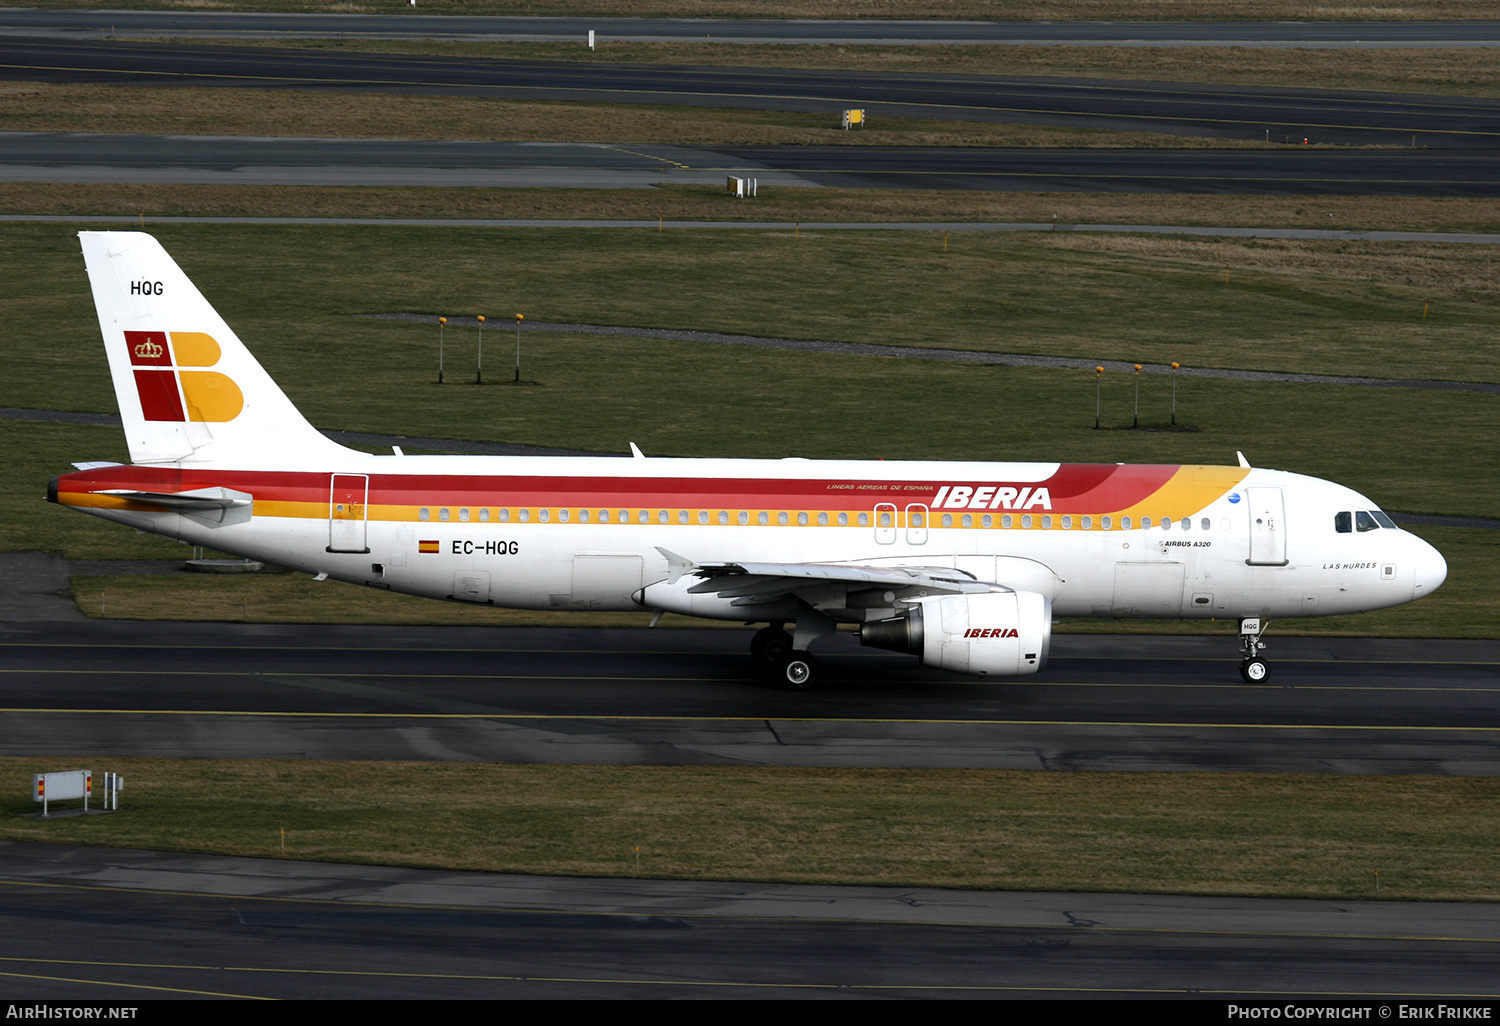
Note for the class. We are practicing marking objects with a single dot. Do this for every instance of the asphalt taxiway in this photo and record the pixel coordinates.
(413, 24)
(108, 924)
(1424, 145)
(691, 696)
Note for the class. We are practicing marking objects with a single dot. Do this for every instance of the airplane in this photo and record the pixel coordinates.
(962, 564)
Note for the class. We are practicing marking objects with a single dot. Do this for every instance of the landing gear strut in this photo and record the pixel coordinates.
(794, 669)
(1253, 669)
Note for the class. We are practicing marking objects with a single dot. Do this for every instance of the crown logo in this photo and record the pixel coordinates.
(148, 350)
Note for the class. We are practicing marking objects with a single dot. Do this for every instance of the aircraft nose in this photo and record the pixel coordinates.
(1431, 569)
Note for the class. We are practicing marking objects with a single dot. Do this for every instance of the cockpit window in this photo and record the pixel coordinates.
(1361, 520)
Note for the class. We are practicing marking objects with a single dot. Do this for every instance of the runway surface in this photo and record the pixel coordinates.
(1345, 118)
(218, 160)
(107, 924)
(635, 696)
(412, 25)
(1450, 144)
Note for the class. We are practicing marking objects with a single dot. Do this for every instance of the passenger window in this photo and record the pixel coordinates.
(1343, 522)
(1364, 522)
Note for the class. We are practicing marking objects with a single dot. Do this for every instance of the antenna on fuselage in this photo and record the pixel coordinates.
(1241, 457)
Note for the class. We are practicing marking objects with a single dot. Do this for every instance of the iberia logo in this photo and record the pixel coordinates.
(179, 390)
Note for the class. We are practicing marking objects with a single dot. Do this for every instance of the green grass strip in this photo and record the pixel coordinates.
(1427, 838)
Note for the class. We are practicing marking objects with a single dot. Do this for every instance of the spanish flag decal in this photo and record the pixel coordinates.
(427, 546)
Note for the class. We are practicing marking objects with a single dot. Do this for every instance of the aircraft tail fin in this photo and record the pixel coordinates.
(189, 391)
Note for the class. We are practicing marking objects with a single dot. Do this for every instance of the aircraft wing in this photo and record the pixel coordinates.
(749, 583)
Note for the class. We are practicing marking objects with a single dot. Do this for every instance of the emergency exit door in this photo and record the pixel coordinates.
(1267, 527)
(346, 513)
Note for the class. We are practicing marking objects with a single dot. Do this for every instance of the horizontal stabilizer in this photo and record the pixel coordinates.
(212, 507)
(202, 498)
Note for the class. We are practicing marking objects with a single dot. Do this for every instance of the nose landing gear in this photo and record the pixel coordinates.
(1253, 669)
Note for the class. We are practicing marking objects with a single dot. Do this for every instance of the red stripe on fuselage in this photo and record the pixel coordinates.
(1073, 488)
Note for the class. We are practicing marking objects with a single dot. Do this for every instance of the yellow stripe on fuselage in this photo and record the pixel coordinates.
(1189, 490)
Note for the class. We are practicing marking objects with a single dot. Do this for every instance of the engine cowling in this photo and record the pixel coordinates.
(1005, 633)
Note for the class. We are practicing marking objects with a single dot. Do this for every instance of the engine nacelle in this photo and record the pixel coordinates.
(1002, 633)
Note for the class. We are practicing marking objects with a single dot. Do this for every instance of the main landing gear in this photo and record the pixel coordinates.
(771, 648)
(1253, 669)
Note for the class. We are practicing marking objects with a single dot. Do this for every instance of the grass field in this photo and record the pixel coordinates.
(1428, 838)
(143, 203)
(1442, 71)
(295, 292)
(68, 107)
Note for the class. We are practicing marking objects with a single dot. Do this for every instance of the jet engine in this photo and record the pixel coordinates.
(1003, 633)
